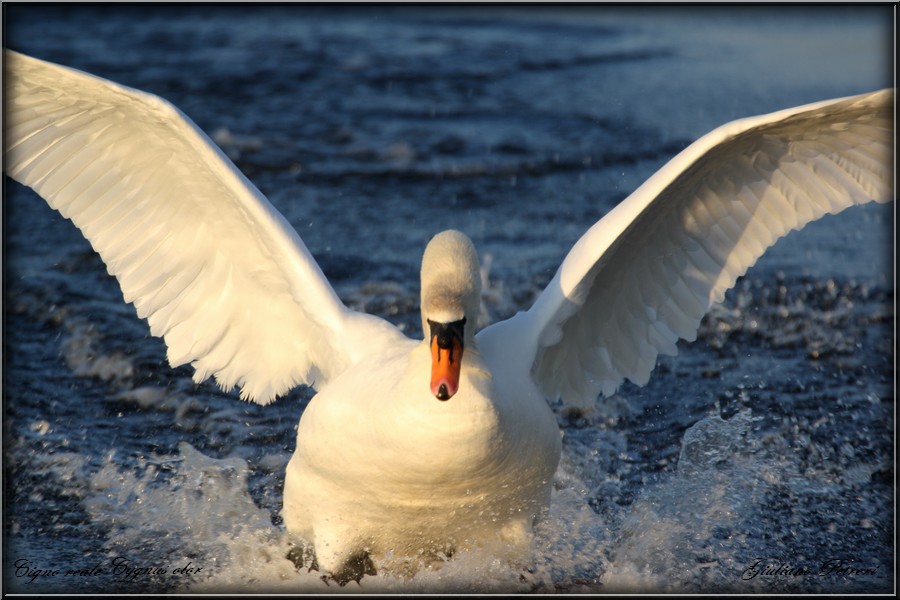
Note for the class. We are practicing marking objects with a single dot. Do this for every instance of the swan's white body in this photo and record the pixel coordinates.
(381, 465)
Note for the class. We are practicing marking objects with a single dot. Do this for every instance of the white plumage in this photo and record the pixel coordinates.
(230, 286)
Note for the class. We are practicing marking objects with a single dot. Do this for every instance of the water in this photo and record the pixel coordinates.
(760, 453)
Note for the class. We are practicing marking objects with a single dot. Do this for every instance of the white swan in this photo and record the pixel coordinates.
(421, 446)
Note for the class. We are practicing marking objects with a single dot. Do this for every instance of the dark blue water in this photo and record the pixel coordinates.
(371, 129)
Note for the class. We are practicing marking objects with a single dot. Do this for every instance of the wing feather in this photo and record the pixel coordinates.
(204, 257)
(645, 274)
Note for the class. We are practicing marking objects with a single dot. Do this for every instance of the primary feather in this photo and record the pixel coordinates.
(213, 267)
(646, 274)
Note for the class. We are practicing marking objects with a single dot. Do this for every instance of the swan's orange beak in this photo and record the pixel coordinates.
(446, 358)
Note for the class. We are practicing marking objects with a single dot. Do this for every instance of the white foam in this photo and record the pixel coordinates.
(197, 508)
(664, 542)
(79, 349)
(691, 530)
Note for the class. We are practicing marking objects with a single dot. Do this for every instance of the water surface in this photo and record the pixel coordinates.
(770, 437)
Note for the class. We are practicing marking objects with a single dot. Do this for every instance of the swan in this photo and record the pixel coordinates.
(421, 447)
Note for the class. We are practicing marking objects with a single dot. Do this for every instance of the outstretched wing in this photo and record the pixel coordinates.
(213, 267)
(644, 275)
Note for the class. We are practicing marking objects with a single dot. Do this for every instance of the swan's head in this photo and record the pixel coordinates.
(451, 298)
